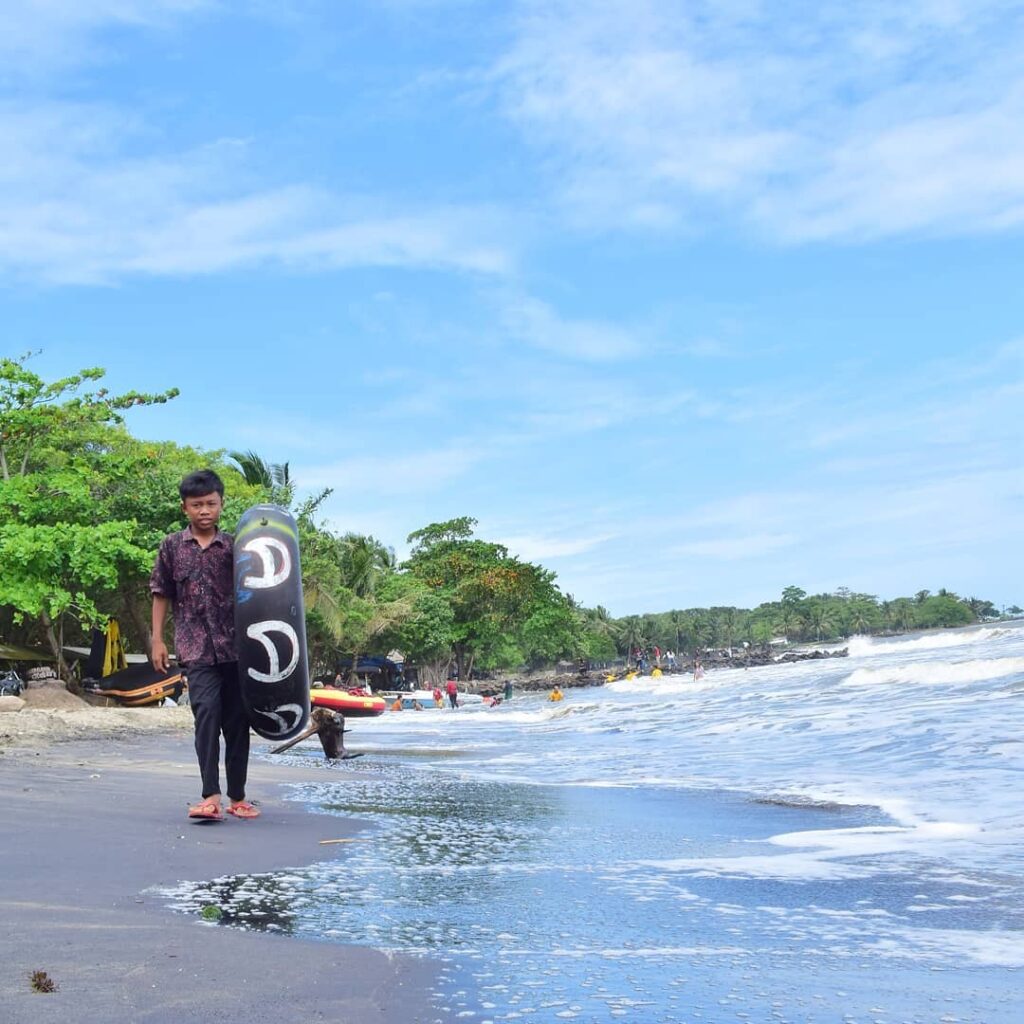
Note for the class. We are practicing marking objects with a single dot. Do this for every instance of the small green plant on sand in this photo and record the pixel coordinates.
(211, 912)
(42, 982)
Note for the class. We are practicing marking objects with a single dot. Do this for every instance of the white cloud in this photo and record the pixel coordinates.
(733, 548)
(960, 172)
(849, 122)
(538, 325)
(40, 36)
(75, 209)
(539, 547)
(385, 476)
(90, 192)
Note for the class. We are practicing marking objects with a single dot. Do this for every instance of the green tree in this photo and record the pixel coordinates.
(273, 477)
(64, 548)
(551, 631)
(631, 637)
(980, 608)
(862, 616)
(943, 610)
(677, 621)
(491, 593)
(426, 633)
(902, 612)
(365, 561)
(36, 416)
(53, 571)
(819, 617)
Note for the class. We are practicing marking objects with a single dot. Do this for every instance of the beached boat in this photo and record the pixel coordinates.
(352, 704)
(136, 686)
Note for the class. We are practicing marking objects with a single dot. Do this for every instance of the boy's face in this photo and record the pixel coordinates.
(204, 511)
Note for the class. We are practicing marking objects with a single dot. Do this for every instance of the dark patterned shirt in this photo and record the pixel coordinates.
(201, 586)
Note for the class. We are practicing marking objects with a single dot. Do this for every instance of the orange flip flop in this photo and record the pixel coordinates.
(244, 809)
(206, 811)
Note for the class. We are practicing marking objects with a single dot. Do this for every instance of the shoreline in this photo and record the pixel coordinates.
(545, 679)
(91, 824)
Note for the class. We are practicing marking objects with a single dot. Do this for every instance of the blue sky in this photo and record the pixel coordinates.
(687, 301)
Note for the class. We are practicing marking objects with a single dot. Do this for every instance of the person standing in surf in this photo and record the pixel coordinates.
(194, 577)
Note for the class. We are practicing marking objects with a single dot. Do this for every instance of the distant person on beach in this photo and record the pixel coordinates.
(698, 670)
(452, 689)
(438, 698)
(670, 657)
(508, 689)
(194, 577)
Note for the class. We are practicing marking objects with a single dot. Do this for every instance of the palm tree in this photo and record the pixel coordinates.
(860, 621)
(363, 562)
(819, 619)
(903, 613)
(274, 476)
(701, 630)
(598, 621)
(631, 635)
(792, 622)
(728, 621)
(678, 620)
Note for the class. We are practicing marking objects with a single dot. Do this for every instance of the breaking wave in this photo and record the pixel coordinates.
(937, 672)
(866, 646)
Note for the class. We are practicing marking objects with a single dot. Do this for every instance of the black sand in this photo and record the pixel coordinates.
(86, 827)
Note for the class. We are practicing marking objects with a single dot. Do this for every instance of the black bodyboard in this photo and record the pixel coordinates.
(270, 623)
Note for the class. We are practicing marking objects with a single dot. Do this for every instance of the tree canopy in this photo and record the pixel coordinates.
(84, 506)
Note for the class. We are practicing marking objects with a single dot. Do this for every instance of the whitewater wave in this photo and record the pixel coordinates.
(867, 646)
(937, 672)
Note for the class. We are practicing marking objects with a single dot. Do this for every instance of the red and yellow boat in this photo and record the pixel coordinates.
(351, 703)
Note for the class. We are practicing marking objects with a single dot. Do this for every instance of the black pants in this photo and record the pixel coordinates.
(453, 699)
(216, 700)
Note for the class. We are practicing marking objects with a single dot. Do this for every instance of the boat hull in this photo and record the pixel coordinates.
(351, 705)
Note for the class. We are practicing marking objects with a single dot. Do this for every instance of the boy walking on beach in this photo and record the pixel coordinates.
(194, 576)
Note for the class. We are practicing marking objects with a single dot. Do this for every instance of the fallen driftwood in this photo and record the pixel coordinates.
(330, 727)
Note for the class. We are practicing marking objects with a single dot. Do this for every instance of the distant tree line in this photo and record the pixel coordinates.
(796, 617)
(84, 506)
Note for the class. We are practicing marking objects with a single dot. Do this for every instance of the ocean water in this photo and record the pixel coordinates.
(837, 840)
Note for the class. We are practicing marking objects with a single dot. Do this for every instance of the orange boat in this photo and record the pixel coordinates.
(136, 686)
(352, 703)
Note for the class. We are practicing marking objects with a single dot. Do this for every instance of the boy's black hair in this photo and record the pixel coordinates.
(200, 483)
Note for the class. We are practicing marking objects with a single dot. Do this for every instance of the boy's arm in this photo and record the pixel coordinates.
(158, 652)
(161, 585)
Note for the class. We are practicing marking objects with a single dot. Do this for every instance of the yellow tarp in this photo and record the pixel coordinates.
(113, 656)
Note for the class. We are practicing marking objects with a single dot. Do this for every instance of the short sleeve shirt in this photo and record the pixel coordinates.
(200, 585)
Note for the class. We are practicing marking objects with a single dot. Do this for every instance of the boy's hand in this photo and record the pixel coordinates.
(159, 656)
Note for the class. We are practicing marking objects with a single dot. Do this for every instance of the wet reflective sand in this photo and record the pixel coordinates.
(550, 903)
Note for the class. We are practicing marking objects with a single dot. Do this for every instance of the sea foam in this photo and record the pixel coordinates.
(937, 672)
